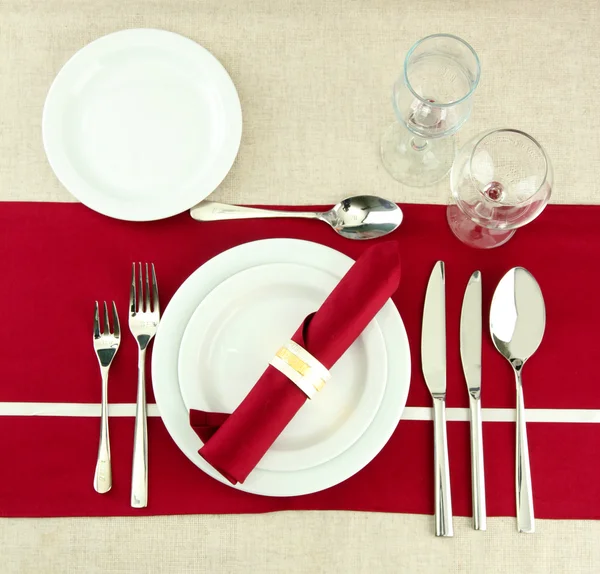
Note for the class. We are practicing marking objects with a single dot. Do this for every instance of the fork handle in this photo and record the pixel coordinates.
(139, 473)
(103, 473)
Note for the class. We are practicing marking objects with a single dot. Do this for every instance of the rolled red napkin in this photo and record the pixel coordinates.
(235, 443)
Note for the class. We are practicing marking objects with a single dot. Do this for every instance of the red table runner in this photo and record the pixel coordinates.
(56, 259)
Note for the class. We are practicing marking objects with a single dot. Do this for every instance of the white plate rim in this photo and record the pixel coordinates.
(374, 345)
(142, 210)
(172, 408)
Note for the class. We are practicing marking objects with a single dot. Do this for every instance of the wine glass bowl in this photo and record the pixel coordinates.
(431, 100)
(432, 97)
(500, 181)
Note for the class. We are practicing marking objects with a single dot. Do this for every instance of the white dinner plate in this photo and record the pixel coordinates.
(142, 124)
(165, 355)
(235, 332)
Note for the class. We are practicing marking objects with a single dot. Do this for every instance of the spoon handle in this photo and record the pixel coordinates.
(213, 211)
(443, 501)
(525, 518)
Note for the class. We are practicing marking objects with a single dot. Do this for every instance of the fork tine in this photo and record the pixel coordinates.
(132, 294)
(141, 293)
(147, 293)
(155, 303)
(96, 323)
(116, 326)
(106, 322)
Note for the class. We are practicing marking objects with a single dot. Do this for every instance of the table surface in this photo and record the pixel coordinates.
(314, 80)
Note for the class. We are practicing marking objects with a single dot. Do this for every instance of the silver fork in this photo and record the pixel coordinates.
(144, 316)
(106, 345)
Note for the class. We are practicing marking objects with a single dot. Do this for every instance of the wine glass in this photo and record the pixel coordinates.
(500, 180)
(432, 99)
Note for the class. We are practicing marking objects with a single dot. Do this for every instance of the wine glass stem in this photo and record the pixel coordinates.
(418, 144)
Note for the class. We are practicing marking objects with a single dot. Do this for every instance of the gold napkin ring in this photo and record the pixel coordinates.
(298, 365)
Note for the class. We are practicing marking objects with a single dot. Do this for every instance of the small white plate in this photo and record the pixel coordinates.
(237, 329)
(142, 124)
(165, 380)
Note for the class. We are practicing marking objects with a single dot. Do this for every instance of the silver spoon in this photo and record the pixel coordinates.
(360, 217)
(517, 323)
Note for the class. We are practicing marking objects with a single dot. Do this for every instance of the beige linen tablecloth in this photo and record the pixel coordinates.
(314, 79)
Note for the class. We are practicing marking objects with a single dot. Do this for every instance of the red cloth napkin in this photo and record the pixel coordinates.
(234, 444)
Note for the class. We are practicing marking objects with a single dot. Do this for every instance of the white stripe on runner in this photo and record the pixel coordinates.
(410, 413)
(508, 415)
(72, 409)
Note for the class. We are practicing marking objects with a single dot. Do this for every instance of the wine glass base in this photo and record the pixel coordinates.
(474, 235)
(413, 161)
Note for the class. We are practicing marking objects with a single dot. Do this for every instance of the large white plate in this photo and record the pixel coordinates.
(236, 330)
(142, 124)
(168, 341)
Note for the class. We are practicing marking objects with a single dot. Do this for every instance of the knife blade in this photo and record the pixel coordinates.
(433, 335)
(470, 335)
(433, 363)
(470, 355)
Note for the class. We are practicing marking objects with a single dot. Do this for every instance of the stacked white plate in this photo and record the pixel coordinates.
(223, 326)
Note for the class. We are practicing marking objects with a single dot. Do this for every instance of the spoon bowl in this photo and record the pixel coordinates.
(364, 217)
(359, 217)
(517, 316)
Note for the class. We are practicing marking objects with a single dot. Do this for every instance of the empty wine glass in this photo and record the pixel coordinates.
(500, 180)
(432, 99)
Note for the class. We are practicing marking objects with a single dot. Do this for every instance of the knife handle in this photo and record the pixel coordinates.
(477, 468)
(443, 500)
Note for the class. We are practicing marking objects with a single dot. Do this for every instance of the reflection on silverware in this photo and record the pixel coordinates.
(433, 359)
(470, 354)
(144, 316)
(106, 344)
(360, 217)
(517, 323)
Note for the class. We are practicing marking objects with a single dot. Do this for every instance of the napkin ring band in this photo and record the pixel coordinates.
(298, 365)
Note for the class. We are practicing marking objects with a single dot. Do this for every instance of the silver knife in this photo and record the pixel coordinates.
(433, 359)
(470, 355)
